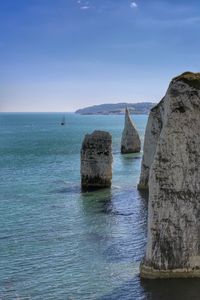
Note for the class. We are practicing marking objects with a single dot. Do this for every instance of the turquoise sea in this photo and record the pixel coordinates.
(59, 243)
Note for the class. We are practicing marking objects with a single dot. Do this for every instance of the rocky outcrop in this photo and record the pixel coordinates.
(173, 242)
(153, 129)
(130, 142)
(96, 160)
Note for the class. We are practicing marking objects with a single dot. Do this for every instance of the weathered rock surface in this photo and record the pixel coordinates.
(153, 129)
(173, 243)
(96, 160)
(130, 142)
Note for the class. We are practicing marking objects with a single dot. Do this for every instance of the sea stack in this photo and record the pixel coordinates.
(153, 129)
(173, 241)
(96, 160)
(130, 142)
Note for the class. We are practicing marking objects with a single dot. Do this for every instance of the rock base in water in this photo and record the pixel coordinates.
(96, 161)
(93, 183)
(151, 273)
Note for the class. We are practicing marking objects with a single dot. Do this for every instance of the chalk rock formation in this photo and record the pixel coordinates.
(153, 129)
(130, 142)
(173, 243)
(96, 160)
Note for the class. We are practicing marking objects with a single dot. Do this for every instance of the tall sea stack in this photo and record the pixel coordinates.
(152, 134)
(96, 160)
(173, 242)
(130, 142)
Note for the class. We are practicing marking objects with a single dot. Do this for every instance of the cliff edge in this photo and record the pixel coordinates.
(172, 158)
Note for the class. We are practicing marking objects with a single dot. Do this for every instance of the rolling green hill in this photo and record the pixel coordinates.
(118, 108)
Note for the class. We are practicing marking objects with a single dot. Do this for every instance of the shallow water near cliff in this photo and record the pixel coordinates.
(59, 243)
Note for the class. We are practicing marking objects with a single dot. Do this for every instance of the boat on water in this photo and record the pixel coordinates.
(63, 121)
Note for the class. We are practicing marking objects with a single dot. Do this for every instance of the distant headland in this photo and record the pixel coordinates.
(117, 109)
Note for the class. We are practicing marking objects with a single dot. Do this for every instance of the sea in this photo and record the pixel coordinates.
(59, 243)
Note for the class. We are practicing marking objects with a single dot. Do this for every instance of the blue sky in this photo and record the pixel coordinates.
(60, 55)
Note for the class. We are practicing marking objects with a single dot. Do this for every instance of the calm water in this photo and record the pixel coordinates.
(57, 243)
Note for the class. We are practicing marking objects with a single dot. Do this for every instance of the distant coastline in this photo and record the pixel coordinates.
(117, 109)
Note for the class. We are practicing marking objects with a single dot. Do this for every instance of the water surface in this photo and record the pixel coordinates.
(59, 243)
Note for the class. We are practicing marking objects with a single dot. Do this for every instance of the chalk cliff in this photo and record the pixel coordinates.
(96, 160)
(153, 129)
(173, 243)
(130, 142)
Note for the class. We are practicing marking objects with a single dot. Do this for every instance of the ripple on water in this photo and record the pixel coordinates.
(59, 243)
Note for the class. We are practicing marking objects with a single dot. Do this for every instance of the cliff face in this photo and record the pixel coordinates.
(130, 142)
(96, 160)
(153, 129)
(173, 245)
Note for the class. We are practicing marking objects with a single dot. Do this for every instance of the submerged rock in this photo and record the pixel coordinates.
(96, 160)
(173, 242)
(130, 142)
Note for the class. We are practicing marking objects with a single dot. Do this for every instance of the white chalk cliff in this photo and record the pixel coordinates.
(130, 142)
(172, 158)
(152, 134)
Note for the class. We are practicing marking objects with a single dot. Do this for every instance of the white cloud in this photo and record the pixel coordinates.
(85, 7)
(133, 5)
(83, 4)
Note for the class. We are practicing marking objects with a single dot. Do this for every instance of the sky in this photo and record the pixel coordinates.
(61, 55)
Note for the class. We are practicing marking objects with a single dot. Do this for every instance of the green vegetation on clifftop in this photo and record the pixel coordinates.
(192, 79)
(117, 109)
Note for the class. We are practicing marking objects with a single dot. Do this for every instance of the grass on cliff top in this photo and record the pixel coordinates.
(192, 79)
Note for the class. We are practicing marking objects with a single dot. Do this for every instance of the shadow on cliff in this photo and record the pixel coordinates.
(144, 195)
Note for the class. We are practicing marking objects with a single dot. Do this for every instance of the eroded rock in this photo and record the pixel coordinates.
(173, 243)
(96, 160)
(153, 129)
(130, 142)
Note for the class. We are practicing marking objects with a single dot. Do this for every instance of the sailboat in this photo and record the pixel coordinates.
(63, 121)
